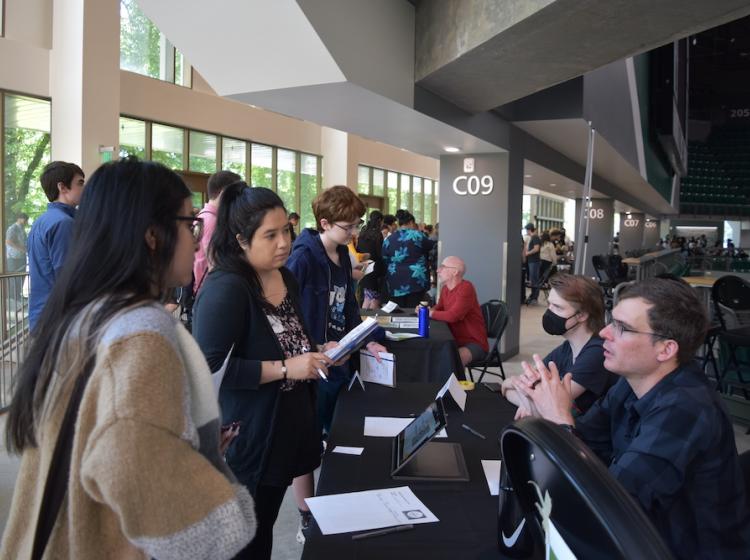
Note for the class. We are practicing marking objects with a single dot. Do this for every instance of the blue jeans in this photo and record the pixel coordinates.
(534, 278)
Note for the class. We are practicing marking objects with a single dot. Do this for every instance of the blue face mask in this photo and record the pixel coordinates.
(554, 324)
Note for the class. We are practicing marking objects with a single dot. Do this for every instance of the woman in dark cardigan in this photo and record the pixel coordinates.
(249, 304)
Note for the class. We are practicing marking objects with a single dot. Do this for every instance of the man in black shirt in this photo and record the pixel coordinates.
(661, 429)
(531, 252)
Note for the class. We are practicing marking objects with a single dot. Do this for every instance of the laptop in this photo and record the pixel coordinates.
(415, 456)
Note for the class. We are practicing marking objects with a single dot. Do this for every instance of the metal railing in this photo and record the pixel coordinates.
(651, 264)
(14, 330)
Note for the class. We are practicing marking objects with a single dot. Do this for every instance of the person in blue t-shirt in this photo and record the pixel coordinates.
(575, 312)
(51, 233)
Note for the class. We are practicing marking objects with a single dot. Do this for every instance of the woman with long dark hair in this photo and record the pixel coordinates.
(371, 241)
(130, 388)
(249, 305)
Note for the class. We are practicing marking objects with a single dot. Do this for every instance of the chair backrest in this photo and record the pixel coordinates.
(732, 292)
(590, 510)
(495, 313)
(600, 267)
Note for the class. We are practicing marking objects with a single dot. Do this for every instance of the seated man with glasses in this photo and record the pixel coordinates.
(458, 306)
(662, 429)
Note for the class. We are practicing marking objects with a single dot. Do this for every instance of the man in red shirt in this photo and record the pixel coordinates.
(458, 306)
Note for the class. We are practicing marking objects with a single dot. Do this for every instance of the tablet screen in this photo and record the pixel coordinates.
(424, 427)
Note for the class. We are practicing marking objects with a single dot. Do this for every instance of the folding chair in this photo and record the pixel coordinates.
(495, 313)
(733, 293)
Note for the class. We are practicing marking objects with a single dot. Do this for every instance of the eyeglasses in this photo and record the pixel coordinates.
(196, 226)
(350, 228)
(619, 328)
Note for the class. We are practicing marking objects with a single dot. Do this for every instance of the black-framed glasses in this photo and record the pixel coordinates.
(352, 228)
(196, 225)
(619, 328)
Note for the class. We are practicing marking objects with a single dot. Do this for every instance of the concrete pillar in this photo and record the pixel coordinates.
(480, 221)
(631, 232)
(334, 147)
(600, 229)
(85, 80)
(651, 234)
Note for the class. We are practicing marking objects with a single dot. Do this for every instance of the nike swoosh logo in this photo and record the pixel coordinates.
(511, 541)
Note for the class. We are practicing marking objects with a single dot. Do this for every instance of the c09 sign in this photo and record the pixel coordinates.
(471, 185)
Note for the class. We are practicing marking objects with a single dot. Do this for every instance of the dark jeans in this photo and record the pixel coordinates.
(16, 286)
(410, 301)
(534, 279)
(267, 504)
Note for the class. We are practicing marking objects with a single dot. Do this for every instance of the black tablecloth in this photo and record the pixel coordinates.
(467, 513)
(430, 359)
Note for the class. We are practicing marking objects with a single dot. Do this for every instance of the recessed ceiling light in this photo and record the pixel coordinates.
(553, 184)
(451, 149)
(527, 176)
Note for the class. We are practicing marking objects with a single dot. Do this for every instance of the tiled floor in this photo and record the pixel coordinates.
(533, 340)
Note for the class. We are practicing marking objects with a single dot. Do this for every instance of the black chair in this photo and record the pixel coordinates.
(733, 293)
(544, 286)
(495, 313)
(610, 273)
(552, 473)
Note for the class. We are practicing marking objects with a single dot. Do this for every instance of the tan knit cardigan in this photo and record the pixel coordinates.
(146, 477)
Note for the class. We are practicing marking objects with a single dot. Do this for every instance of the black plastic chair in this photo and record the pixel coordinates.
(733, 293)
(550, 471)
(495, 313)
(544, 286)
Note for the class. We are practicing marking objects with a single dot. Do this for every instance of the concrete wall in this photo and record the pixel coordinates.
(25, 48)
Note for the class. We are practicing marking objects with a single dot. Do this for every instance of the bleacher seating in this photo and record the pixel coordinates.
(718, 180)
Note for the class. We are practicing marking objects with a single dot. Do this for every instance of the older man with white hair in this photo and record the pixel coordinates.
(458, 306)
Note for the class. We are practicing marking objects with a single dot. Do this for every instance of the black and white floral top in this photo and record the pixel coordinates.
(287, 327)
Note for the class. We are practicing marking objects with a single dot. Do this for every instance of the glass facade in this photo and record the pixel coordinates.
(418, 195)
(296, 176)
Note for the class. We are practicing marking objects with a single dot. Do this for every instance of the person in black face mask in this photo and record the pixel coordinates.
(575, 312)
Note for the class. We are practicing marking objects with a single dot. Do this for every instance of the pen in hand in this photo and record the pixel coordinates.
(386, 531)
(322, 375)
(473, 431)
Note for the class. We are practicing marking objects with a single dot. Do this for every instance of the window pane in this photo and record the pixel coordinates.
(233, 156)
(378, 182)
(428, 201)
(435, 191)
(286, 178)
(262, 162)
(140, 41)
(197, 199)
(202, 152)
(132, 138)
(363, 179)
(405, 195)
(182, 74)
(167, 145)
(392, 192)
(416, 194)
(308, 189)
(26, 138)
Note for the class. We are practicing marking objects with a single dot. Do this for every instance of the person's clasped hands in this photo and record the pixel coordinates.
(543, 392)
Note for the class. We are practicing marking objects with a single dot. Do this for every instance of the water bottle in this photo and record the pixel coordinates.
(515, 538)
(424, 320)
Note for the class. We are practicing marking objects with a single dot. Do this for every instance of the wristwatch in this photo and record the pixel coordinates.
(283, 369)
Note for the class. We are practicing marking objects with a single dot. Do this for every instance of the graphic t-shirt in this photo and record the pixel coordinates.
(336, 300)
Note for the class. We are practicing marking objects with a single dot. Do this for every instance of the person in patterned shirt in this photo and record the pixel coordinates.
(406, 255)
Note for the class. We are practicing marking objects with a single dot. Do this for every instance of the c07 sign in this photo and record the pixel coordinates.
(464, 185)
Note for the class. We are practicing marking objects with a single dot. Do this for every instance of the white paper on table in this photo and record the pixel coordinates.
(409, 319)
(492, 474)
(381, 372)
(453, 387)
(371, 509)
(400, 336)
(385, 426)
(389, 307)
(348, 450)
(218, 376)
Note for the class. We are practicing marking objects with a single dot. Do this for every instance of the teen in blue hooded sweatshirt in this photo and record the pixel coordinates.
(320, 263)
